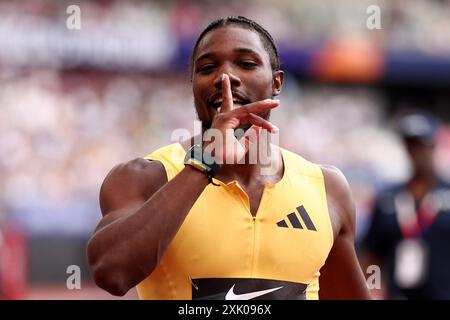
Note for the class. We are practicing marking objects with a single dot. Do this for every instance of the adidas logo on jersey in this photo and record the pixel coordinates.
(294, 220)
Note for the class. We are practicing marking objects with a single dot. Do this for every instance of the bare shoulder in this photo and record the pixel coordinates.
(135, 180)
(340, 200)
(341, 276)
(337, 184)
(138, 168)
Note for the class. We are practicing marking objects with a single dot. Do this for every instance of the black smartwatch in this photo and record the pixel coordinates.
(202, 161)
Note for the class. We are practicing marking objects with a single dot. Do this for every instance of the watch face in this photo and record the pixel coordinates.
(208, 159)
(196, 152)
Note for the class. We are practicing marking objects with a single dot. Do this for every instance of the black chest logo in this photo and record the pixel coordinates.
(294, 220)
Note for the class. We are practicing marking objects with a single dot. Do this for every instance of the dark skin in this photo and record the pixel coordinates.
(423, 178)
(142, 211)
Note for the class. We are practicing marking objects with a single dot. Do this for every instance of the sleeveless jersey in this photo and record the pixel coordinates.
(222, 252)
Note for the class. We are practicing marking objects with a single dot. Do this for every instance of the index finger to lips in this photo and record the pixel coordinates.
(227, 96)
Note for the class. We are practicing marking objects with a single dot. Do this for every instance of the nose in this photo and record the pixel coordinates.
(235, 81)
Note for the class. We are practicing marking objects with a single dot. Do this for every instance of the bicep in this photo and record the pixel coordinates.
(341, 276)
(127, 187)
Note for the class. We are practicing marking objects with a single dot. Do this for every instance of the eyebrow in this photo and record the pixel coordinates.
(210, 55)
(246, 50)
(207, 55)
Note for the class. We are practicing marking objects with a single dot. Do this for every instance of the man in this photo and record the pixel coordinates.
(179, 226)
(410, 228)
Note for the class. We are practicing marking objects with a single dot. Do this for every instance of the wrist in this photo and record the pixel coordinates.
(201, 161)
(198, 176)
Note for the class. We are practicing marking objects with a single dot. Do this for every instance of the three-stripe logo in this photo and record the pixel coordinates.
(295, 222)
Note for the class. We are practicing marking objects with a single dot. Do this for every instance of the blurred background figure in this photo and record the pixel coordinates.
(76, 99)
(410, 226)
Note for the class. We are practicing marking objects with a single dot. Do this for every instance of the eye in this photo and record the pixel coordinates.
(248, 64)
(206, 68)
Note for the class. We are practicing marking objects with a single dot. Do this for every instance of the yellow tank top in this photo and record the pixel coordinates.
(222, 252)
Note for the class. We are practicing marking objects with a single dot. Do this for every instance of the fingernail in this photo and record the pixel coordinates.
(275, 129)
(268, 100)
(223, 77)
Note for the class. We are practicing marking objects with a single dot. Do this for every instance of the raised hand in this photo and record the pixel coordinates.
(223, 144)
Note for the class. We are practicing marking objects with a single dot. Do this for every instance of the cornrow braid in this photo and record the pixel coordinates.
(268, 42)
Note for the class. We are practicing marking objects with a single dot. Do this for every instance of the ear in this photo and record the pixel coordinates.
(277, 82)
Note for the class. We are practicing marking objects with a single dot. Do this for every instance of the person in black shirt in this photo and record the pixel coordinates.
(409, 234)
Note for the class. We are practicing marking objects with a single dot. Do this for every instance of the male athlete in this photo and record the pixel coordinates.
(189, 222)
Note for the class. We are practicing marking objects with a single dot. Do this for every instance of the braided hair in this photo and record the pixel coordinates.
(268, 42)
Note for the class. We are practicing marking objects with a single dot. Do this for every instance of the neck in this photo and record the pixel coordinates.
(422, 177)
(421, 184)
(266, 168)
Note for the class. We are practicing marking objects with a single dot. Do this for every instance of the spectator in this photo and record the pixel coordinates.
(410, 228)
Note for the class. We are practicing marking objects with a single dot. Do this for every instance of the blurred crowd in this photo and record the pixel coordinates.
(144, 34)
(64, 131)
(61, 136)
(418, 24)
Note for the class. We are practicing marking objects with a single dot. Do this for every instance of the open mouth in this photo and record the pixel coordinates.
(237, 102)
